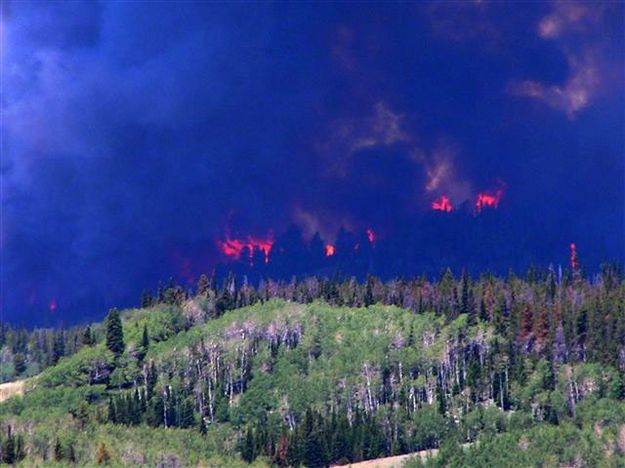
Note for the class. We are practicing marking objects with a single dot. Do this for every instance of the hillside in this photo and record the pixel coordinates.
(309, 383)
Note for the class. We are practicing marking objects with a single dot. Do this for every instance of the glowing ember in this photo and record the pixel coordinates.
(442, 204)
(370, 235)
(234, 247)
(490, 200)
(574, 261)
(330, 250)
(52, 305)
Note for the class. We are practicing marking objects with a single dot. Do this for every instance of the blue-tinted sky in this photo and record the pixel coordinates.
(136, 134)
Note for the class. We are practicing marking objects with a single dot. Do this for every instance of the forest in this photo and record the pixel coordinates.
(515, 370)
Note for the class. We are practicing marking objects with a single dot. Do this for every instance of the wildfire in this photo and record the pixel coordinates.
(330, 250)
(234, 247)
(370, 235)
(442, 204)
(486, 199)
(574, 261)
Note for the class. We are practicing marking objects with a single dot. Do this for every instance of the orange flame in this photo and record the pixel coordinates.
(370, 235)
(442, 204)
(234, 247)
(487, 199)
(330, 250)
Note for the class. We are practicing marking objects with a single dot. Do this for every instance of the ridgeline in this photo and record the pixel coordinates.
(496, 371)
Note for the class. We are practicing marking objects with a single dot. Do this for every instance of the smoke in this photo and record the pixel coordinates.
(139, 147)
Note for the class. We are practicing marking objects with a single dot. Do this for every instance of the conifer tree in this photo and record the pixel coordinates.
(187, 419)
(58, 451)
(368, 299)
(114, 333)
(58, 346)
(203, 285)
(20, 451)
(465, 296)
(19, 363)
(151, 380)
(81, 413)
(87, 337)
(145, 344)
(112, 416)
(71, 454)
(145, 339)
(8, 448)
(248, 446)
(313, 451)
(146, 299)
(282, 451)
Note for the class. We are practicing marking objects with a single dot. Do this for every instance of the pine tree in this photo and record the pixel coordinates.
(87, 337)
(151, 380)
(527, 322)
(187, 419)
(466, 301)
(541, 325)
(368, 299)
(203, 285)
(19, 363)
(58, 346)
(112, 414)
(81, 414)
(248, 447)
(484, 316)
(228, 298)
(282, 452)
(58, 451)
(341, 447)
(146, 299)
(8, 449)
(313, 451)
(134, 407)
(145, 339)
(20, 451)
(71, 454)
(145, 344)
(114, 333)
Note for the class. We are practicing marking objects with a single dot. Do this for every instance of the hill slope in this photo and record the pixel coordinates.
(286, 383)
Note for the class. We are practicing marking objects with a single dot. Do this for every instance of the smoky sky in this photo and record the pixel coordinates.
(138, 134)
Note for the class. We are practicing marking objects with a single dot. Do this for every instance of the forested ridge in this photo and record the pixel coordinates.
(517, 370)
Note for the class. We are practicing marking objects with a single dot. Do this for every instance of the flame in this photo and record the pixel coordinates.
(234, 247)
(370, 235)
(442, 204)
(488, 199)
(52, 305)
(330, 250)
(574, 261)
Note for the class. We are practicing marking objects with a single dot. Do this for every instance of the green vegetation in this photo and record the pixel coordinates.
(501, 372)
(114, 333)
